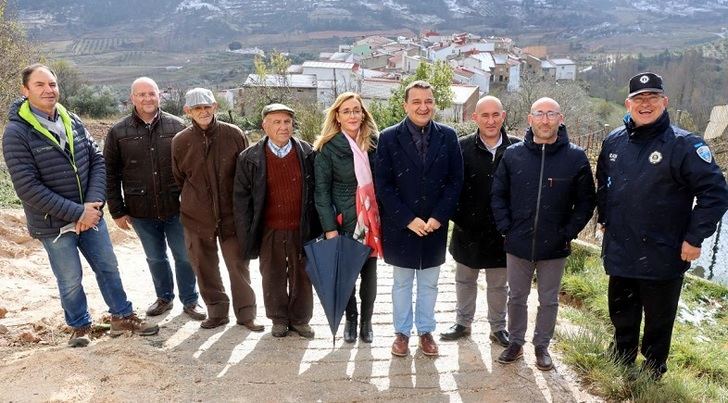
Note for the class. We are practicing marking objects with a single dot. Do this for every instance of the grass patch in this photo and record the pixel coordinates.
(698, 362)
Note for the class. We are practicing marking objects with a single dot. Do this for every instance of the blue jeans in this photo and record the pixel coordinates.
(66, 265)
(426, 298)
(152, 233)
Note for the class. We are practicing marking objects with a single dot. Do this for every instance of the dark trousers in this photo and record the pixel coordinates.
(287, 292)
(628, 298)
(367, 292)
(203, 256)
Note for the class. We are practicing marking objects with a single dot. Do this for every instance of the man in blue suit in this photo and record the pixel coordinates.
(419, 174)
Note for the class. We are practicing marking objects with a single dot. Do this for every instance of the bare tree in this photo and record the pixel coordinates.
(579, 115)
(16, 53)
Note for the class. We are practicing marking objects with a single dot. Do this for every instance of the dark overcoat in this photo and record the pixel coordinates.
(408, 187)
(475, 241)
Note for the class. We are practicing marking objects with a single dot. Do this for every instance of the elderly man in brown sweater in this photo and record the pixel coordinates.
(203, 163)
(275, 215)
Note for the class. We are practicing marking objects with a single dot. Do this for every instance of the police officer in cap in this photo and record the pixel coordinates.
(660, 194)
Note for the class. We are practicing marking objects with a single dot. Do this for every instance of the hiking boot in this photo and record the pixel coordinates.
(366, 334)
(511, 354)
(350, 331)
(501, 338)
(303, 330)
(279, 330)
(80, 336)
(252, 325)
(428, 345)
(400, 347)
(543, 359)
(211, 323)
(194, 311)
(455, 332)
(132, 324)
(159, 307)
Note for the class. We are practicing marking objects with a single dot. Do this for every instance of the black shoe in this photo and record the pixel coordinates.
(455, 332)
(654, 371)
(350, 331)
(543, 359)
(511, 354)
(366, 334)
(501, 337)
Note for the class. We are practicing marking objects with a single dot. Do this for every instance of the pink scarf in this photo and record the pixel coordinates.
(367, 230)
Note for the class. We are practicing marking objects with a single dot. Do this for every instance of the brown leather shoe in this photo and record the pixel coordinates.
(428, 345)
(211, 323)
(252, 325)
(400, 347)
(132, 323)
(80, 336)
(194, 311)
(159, 307)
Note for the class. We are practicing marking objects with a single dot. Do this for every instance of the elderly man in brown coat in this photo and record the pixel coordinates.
(203, 163)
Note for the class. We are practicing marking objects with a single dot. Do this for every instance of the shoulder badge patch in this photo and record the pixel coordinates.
(655, 157)
(705, 154)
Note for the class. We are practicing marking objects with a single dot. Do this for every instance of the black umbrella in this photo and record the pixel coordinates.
(333, 266)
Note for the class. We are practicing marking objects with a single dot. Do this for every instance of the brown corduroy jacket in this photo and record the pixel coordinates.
(203, 163)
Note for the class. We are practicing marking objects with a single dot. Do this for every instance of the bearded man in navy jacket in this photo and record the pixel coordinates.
(542, 197)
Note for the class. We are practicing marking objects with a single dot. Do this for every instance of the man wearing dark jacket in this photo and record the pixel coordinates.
(203, 164)
(59, 176)
(142, 192)
(419, 175)
(275, 215)
(542, 197)
(660, 194)
(476, 243)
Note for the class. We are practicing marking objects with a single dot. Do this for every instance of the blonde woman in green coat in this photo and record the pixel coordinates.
(345, 198)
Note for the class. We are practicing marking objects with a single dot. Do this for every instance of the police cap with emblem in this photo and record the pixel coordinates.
(645, 82)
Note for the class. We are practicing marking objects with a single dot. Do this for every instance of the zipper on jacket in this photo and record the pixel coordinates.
(538, 202)
(154, 145)
(215, 207)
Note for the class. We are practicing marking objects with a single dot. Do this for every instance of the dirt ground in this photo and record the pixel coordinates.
(186, 363)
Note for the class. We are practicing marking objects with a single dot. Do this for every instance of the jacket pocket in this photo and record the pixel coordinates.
(135, 198)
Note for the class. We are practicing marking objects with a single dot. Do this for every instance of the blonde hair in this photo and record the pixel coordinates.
(331, 127)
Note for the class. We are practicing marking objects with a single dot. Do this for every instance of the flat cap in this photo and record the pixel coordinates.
(199, 96)
(277, 108)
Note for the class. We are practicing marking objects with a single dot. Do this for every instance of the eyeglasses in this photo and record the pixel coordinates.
(649, 99)
(351, 112)
(550, 115)
(144, 95)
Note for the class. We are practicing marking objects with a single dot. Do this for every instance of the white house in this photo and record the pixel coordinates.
(464, 99)
(332, 78)
(565, 69)
(473, 76)
(377, 89)
(483, 61)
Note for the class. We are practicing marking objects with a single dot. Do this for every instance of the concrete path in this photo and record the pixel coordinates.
(186, 363)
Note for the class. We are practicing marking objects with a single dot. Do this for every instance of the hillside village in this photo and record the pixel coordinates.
(373, 66)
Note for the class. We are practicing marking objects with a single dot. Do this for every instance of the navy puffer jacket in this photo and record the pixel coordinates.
(52, 183)
(542, 197)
